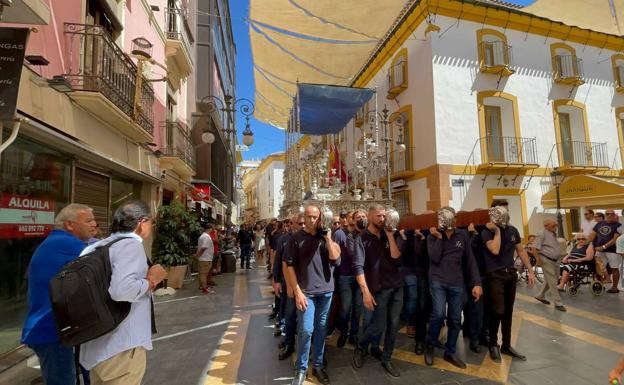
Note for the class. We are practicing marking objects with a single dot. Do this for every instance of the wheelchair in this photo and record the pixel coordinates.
(523, 274)
(584, 275)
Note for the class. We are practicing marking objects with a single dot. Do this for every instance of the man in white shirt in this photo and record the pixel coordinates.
(205, 254)
(588, 223)
(119, 356)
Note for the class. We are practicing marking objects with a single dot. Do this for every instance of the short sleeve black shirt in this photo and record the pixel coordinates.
(510, 237)
(372, 258)
(308, 255)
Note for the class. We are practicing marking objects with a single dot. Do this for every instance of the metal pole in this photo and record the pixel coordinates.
(231, 138)
(387, 140)
(559, 216)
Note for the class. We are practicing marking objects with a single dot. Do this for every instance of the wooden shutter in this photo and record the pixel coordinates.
(93, 189)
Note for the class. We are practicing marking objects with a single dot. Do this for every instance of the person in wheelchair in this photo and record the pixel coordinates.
(580, 258)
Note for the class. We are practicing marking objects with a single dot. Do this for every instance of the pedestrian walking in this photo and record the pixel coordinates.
(311, 255)
(119, 357)
(604, 236)
(376, 263)
(205, 256)
(550, 251)
(74, 225)
(245, 241)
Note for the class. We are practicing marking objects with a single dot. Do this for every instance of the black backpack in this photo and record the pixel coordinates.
(82, 306)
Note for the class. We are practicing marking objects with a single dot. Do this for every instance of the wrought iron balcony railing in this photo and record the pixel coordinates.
(178, 142)
(509, 150)
(401, 160)
(568, 67)
(583, 154)
(97, 64)
(496, 54)
(176, 19)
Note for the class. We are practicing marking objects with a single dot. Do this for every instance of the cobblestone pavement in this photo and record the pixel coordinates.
(226, 338)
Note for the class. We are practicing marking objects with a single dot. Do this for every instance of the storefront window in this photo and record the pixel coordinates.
(34, 186)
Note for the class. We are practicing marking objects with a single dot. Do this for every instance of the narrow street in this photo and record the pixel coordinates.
(226, 338)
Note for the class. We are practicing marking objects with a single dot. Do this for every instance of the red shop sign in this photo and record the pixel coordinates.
(25, 216)
(201, 192)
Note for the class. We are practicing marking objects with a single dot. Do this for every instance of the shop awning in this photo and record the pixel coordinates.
(326, 109)
(588, 191)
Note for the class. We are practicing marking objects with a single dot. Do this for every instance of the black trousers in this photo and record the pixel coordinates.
(501, 295)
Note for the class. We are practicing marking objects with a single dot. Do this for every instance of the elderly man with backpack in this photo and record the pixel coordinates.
(74, 225)
(119, 356)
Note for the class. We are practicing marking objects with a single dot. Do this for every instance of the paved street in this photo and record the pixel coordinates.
(226, 338)
(578, 347)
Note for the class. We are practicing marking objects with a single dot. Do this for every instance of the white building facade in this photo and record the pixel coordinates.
(263, 189)
(492, 99)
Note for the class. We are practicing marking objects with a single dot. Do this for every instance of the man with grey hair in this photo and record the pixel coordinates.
(74, 225)
(550, 251)
(121, 353)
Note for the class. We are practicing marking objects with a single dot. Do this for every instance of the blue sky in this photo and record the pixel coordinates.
(268, 139)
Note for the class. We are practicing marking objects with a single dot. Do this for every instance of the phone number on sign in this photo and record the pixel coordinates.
(31, 228)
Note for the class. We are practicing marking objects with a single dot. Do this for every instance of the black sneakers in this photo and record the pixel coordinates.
(321, 375)
(429, 351)
(391, 369)
(358, 357)
(495, 354)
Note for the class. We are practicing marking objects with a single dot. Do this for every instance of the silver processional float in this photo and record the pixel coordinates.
(315, 168)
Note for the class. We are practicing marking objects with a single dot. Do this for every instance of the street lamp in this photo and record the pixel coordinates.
(371, 116)
(557, 179)
(230, 106)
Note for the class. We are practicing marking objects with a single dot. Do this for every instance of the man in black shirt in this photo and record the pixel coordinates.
(502, 240)
(288, 310)
(452, 267)
(376, 263)
(311, 255)
(245, 240)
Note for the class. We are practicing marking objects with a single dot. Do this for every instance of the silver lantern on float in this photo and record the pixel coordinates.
(327, 218)
(392, 219)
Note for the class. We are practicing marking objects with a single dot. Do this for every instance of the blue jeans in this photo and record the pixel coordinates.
(57, 363)
(350, 304)
(245, 255)
(385, 317)
(288, 315)
(410, 299)
(312, 330)
(441, 295)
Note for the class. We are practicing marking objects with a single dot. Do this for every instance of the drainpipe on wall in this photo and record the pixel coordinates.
(13, 136)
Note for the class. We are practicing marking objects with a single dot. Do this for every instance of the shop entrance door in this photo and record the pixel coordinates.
(93, 189)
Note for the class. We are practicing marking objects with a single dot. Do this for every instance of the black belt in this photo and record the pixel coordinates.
(551, 259)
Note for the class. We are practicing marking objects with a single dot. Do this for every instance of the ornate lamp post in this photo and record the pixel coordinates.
(557, 179)
(230, 106)
(372, 117)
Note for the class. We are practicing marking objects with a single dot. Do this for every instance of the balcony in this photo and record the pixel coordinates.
(582, 157)
(397, 78)
(505, 152)
(401, 163)
(178, 46)
(177, 155)
(104, 79)
(568, 70)
(496, 58)
(619, 78)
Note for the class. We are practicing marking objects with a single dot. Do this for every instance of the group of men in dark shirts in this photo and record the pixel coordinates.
(373, 269)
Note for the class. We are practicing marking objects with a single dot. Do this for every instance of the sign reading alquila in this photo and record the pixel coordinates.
(12, 50)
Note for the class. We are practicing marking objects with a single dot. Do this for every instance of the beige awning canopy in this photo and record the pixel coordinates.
(588, 191)
(605, 16)
(311, 41)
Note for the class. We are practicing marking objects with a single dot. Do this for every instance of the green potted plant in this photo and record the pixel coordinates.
(176, 229)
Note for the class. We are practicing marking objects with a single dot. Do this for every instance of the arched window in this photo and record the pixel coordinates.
(397, 74)
(566, 66)
(495, 55)
(617, 62)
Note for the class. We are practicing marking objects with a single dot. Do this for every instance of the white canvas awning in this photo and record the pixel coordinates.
(311, 41)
